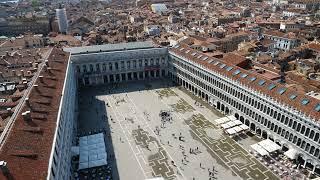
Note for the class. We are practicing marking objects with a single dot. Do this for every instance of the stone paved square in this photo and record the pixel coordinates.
(144, 147)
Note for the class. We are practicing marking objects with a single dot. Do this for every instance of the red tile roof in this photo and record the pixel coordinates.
(28, 146)
(284, 98)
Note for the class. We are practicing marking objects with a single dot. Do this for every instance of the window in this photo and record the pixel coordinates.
(252, 79)
(243, 75)
(317, 108)
(261, 82)
(292, 96)
(236, 72)
(271, 86)
(305, 101)
(281, 90)
(222, 66)
(229, 68)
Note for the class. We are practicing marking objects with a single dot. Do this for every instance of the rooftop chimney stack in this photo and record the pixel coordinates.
(47, 63)
(28, 103)
(41, 79)
(36, 87)
(26, 116)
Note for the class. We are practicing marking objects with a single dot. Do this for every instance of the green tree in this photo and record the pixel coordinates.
(35, 3)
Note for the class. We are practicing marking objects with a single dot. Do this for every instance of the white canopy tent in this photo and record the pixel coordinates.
(231, 131)
(225, 126)
(232, 118)
(291, 153)
(269, 145)
(92, 151)
(244, 127)
(237, 129)
(222, 120)
(259, 149)
(238, 122)
(231, 123)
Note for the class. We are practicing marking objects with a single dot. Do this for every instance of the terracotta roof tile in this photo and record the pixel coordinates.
(283, 98)
(28, 146)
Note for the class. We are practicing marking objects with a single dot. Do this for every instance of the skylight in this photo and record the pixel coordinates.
(252, 78)
(261, 82)
(317, 108)
(193, 54)
(187, 51)
(293, 96)
(199, 56)
(236, 72)
(271, 86)
(222, 66)
(181, 49)
(229, 68)
(243, 75)
(282, 90)
(305, 101)
(204, 58)
(216, 63)
(177, 46)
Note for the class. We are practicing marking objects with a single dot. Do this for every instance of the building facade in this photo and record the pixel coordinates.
(265, 115)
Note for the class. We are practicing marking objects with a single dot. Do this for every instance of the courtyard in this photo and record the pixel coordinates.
(141, 145)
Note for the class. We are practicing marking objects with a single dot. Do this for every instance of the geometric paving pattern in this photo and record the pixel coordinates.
(157, 161)
(227, 152)
(182, 106)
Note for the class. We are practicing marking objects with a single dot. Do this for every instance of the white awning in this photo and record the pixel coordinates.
(232, 118)
(259, 149)
(237, 122)
(231, 123)
(269, 145)
(225, 126)
(92, 151)
(244, 127)
(291, 153)
(222, 120)
(237, 129)
(231, 131)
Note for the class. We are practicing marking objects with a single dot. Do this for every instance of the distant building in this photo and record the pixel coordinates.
(158, 8)
(173, 18)
(15, 26)
(307, 4)
(62, 20)
(283, 41)
(291, 26)
(152, 30)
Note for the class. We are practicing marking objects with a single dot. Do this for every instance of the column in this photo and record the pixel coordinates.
(313, 169)
(305, 163)
(126, 76)
(120, 77)
(108, 79)
(143, 75)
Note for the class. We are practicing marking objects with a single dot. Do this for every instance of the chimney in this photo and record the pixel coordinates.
(1, 75)
(14, 72)
(28, 103)
(36, 87)
(22, 72)
(30, 64)
(26, 116)
(4, 168)
(36, 65)
(47, 63)
(49, 70)
(9, 111)
(5, 87)
(41, 79)
(25, 84)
